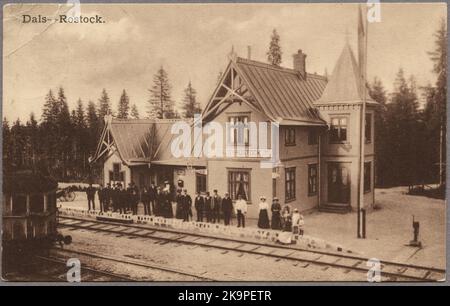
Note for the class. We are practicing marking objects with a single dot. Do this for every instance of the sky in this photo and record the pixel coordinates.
(192, 42)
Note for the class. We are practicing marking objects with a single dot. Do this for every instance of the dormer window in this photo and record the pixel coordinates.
(338, 130)
(289, 137)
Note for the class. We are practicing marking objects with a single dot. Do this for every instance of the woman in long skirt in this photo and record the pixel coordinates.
(263, 221)
(276, 215)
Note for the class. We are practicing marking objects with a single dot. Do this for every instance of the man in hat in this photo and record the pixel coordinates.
(186, 201)
(90, 193)
(208, 207)
(227, 208)
(108, 195)
(199, 204)
(101, 197)
(179, 214)
(216, 205)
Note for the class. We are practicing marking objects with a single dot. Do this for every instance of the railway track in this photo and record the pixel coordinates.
(129, 262)
(53, 269)
(390, 271)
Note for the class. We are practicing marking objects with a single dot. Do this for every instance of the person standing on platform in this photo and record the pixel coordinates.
(108, 195)
(135, 198)
(286, 215)
(227, 208)
(276, 216)
(159, 202)
(179, 205)
(263, 220)
(297, 222)
(90, 193)
(124, 197)
(216, 203)
(101, 197)
(128, 198)
(115, 198)
(168, 211)
(241, 210)
(208, 207)
(145, 196)
(152, 195)
(186, 205)
(199, 206)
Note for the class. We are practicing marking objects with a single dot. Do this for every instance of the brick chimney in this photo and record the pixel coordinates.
(300, 63)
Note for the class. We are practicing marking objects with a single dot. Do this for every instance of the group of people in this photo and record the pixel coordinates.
(114, 197)
(283, 218)
(157, 200)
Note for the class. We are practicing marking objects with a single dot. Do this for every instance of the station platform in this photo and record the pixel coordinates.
(213, 230)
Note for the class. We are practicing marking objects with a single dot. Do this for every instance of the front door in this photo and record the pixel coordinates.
(339, 183)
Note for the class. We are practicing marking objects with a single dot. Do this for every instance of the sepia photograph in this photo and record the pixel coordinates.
(224, 142)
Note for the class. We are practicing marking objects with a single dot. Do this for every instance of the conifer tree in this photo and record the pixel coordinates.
(274, 54)
(190, 105)
(124, 106)
(134, 112)
(160, 102)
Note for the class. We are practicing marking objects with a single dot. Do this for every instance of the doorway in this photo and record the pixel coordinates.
(339, 183)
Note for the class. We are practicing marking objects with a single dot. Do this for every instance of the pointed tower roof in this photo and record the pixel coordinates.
(344, 83)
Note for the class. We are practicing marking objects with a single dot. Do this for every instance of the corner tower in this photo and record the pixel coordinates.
(341, 107)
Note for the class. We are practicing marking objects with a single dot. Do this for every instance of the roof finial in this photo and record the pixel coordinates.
(232, 55)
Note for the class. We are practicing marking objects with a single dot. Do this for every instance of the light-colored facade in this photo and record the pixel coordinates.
(319, 128)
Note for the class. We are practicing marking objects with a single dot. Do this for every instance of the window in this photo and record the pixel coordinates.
(313, 137)
(19, 205)
(116, 174)
(239, 184)
(200, 183)
(312, 179)
(37, 203)
(367, 176)
(289, 137)
(368, 128)
(239, 133)
(338, 130)
(290, 184)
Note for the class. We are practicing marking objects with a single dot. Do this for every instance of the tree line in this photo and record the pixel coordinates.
(63, 141)
(410, 141)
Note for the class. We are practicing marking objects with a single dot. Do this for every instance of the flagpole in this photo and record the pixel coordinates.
(361, 208)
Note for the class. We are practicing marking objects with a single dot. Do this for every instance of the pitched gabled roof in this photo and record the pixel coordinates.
(134, 138)
(140, 140)
(283, 93)
(345, 84)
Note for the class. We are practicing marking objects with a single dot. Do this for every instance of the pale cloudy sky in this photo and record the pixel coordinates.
(192, 41)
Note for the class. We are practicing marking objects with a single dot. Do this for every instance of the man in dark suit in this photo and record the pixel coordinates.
(159, 202)
(199, 206)
(208, 207)
(186, 205)
(216, 205)
(108, 195)
(90, 193)
(152, 196)
(227, 208)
